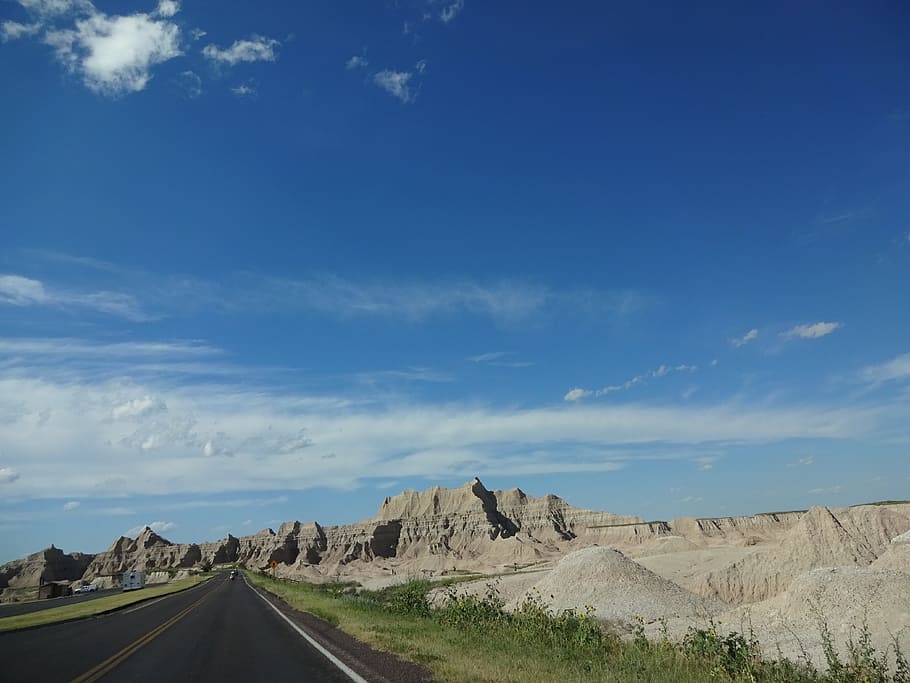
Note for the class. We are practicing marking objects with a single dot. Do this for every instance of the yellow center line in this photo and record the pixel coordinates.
(115, 660)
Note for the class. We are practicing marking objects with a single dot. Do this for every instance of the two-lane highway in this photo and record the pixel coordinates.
(220, 630)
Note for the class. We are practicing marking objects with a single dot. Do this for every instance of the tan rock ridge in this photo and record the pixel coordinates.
(822, 537)
(438, 530)
(20, 577)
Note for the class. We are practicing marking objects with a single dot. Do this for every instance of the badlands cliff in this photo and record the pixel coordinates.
(736, 560)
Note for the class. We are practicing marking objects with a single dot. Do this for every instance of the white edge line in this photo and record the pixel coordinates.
(353, 675)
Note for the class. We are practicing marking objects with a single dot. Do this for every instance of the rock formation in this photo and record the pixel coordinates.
(21, 578)
(822, 537)
(473, 528)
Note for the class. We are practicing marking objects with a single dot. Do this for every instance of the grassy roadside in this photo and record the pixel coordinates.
(93, 607)
(472, 640)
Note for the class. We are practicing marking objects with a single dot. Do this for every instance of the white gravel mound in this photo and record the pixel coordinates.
(843, 598)
(618, 588)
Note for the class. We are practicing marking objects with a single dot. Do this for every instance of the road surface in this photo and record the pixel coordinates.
(13, 608)
(219, 630)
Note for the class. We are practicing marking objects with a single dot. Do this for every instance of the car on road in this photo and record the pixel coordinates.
(87, 588)
(233, 574)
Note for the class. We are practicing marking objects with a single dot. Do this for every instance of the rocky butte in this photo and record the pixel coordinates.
(471, 528)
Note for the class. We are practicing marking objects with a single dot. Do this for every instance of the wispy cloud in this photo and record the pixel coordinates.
(504, 359)
(897, 368)
(356, 62)
(802, 462)
(396, 83)
(751, 335)
(8, 475)
(70, 347)
(16, 290)
(660, 371)
(706, 462)
(70, 506)
(190, 83)
(279, 440)
(505, 300)
(255, 49)
(157, 527)
(13, 30)
(811, 331)
(830, 489)
(413, 374)
(447, 10)
(247, 89)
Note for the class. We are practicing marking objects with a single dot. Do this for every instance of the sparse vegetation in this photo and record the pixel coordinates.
(472, 638)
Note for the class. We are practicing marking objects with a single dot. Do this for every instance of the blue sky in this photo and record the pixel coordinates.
(278, 262)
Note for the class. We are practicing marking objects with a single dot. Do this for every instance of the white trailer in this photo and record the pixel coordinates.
(133, 580)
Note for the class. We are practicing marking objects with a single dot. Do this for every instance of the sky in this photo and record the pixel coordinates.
(283, 260)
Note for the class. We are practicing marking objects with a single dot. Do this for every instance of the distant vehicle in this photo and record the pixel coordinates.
(89, 588)
(133, 580)
(233, 574)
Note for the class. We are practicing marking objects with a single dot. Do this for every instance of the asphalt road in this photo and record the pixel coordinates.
(14, 608)
(220, 630)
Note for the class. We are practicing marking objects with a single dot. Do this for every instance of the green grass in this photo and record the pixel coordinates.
(93, 607)
(472, 639)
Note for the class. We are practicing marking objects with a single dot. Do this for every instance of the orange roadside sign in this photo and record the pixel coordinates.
(273, 564)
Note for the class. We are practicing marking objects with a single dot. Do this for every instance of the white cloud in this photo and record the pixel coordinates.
(450, 10)
(706, 462)
(396, 83)
(421, 66)
(811, 331)
(21, 291)
(802, 462)
(191, 84)
(138, 407)
(115, 54)
(745, 339)
(168, 8)
(658, 372)
(487, 357)
(244, 90)
(13, 30)
(74, 348)
(70, 506)
(897, 368)
(830, 489)
(45, 8)
(577, 394)
(356, 62)
(279, 440)
(691, 499)
(256, 49)
(157, 527)
(8, 475)
(502, 359)
(503, 300)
